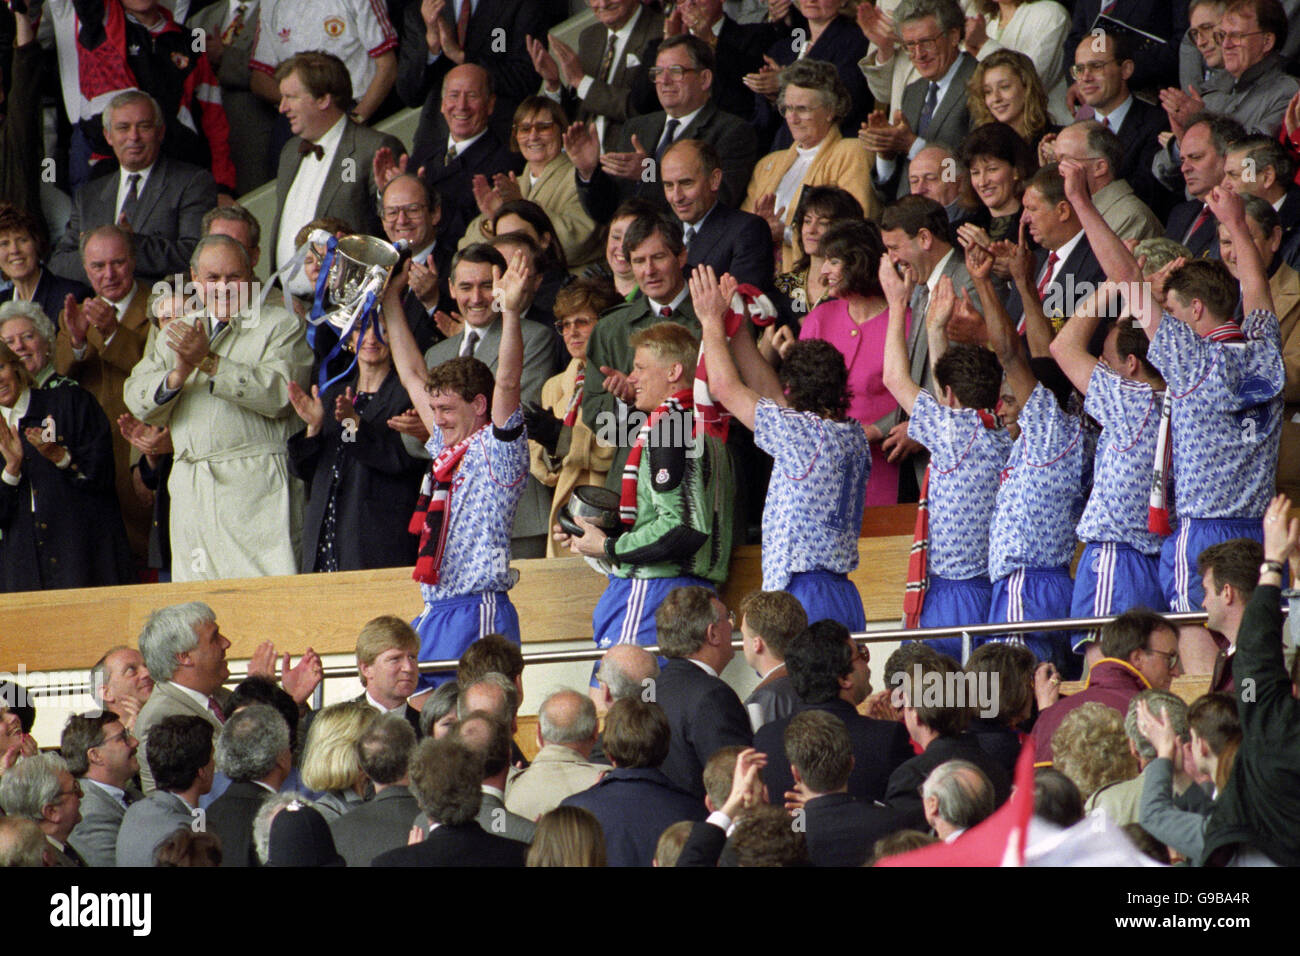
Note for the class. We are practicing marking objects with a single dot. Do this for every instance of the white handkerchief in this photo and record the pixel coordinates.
(633, 60)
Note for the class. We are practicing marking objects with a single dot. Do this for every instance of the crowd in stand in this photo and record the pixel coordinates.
(750, 267)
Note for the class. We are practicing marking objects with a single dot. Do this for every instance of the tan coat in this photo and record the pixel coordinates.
(1285, 286)
(235, 511)
(103, 371)
(841, 162)
(587, 461)
(555, 773)
(1126, 214)
(556, 191)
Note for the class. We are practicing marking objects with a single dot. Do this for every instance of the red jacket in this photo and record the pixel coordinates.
(1111, 682)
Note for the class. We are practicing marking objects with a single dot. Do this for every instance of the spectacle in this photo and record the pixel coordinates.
(1222, 38)
(411, 209)
(928, 45)
(1171, 656)
(674, 72)
(581, 322)
(803, 112)
(1080, 70)
(541, 126)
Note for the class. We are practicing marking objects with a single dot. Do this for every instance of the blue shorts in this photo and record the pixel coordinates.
(1178, 574)
(1112, 578)
(451, 625)
(1036, 594)
(625, 613)
(826, 595)
(954, 602)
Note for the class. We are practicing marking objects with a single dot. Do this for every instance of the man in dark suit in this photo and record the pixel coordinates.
(936, 711)
(388, 655)
(327, 167)
(254, 752)
(161, 200)
(694, 633)
(101, 753)
(598, 81)
(1107, 65)
(956, 796)
(489, 736)
(1259, 166)
(934, 106)
(1065, 269)
(769, 621)
(452, 145)
(630, 166)
(1204, 148)
(446, 777)
(1168, 21)
(841, 829)
(384, 823)
(230, 39)
(410, 210)
(40, 788)
(634, 803)
(832, 674)
(439, 36)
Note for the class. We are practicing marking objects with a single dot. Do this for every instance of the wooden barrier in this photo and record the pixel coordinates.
(63, 630)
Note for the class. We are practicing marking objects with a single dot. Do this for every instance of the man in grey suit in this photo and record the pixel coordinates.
(186, 653)
(769, 621)
(327, 167)
(489, 736)
(471, 288)
(100, 752)
(230, 37)
(161, 200)
(40, 788)
(184, 767)
(934, 106)
(918, 239)
(254, 752)
(384, 823)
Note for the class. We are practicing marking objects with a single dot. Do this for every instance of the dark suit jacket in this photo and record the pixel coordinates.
(879, 747)
(842, 44)
(705, 715)
(1204, 242)
(166, 223)
(1143, 124)
(453, 183)
(465, 844)
(351, 197)
(904, 793)
(375, 827)
(615, 100)
(706, 845)
(841, 830)
(732, 137)
(21, 147)
(1289, 213)
(634, 807)
(949, 123)
(1064, 293)
(733, 241)
(230, 817)
(492, 24)
(50, 292)
(739, 50)
(1157, 17)
(378, 482)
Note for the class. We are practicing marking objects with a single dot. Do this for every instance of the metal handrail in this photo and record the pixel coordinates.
(596, 653)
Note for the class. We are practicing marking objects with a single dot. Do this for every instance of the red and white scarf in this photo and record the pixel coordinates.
(432, 508)
(1158, 502)
(748, 302)
(678, 404)
(918, 560)
(575, 403)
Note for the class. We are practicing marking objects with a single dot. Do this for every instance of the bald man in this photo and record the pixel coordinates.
(566, 733)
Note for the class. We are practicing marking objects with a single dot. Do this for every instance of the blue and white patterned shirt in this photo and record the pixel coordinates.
(965, 460)
(813, 513)
(484, 496)
(1129, 413)
(1033, 524)
(1227, 415)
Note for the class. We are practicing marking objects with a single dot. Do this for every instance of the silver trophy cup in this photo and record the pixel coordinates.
(362, 264)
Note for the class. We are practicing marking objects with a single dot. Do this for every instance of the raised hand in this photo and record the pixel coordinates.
(431, 13)
(616, 384)
(302, 679)
(506, 186)
(1047, 150)
(409, 423)
(1227, 207)
(710, 296)
(310, 408)
(571, 71)
(11, 447)
(386, 168)
(543, 63)
(979, 262)
(767, 81)
(1047, 685)
(75, 320)
(1281, 531)
(878, 27)
(149, 439)
(626, 165)
(891, 140)
(747, 790)
(345, 409)
(942, 304)
(262, 663)
(510, 288)
(1076, 181)
(583, 148)
(1021, 258)
(449, 325)
(897, 287)
(52, 452)
(766, 209)
(1291, 118)
(977, 34)
(783, 339)
(1158, 730)
(423, 280)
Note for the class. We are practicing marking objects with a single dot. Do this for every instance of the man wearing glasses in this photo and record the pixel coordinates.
(410, 211)
(1139, 651)
(934, 106)
(683, 81)
(101, 752)
(1255, 90)
(41, 789)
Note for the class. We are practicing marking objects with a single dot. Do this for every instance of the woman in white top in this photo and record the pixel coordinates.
(1037, 29)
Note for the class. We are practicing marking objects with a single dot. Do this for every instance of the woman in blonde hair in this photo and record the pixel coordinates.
(1005, 88)
(329, 761)
(567, 836)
